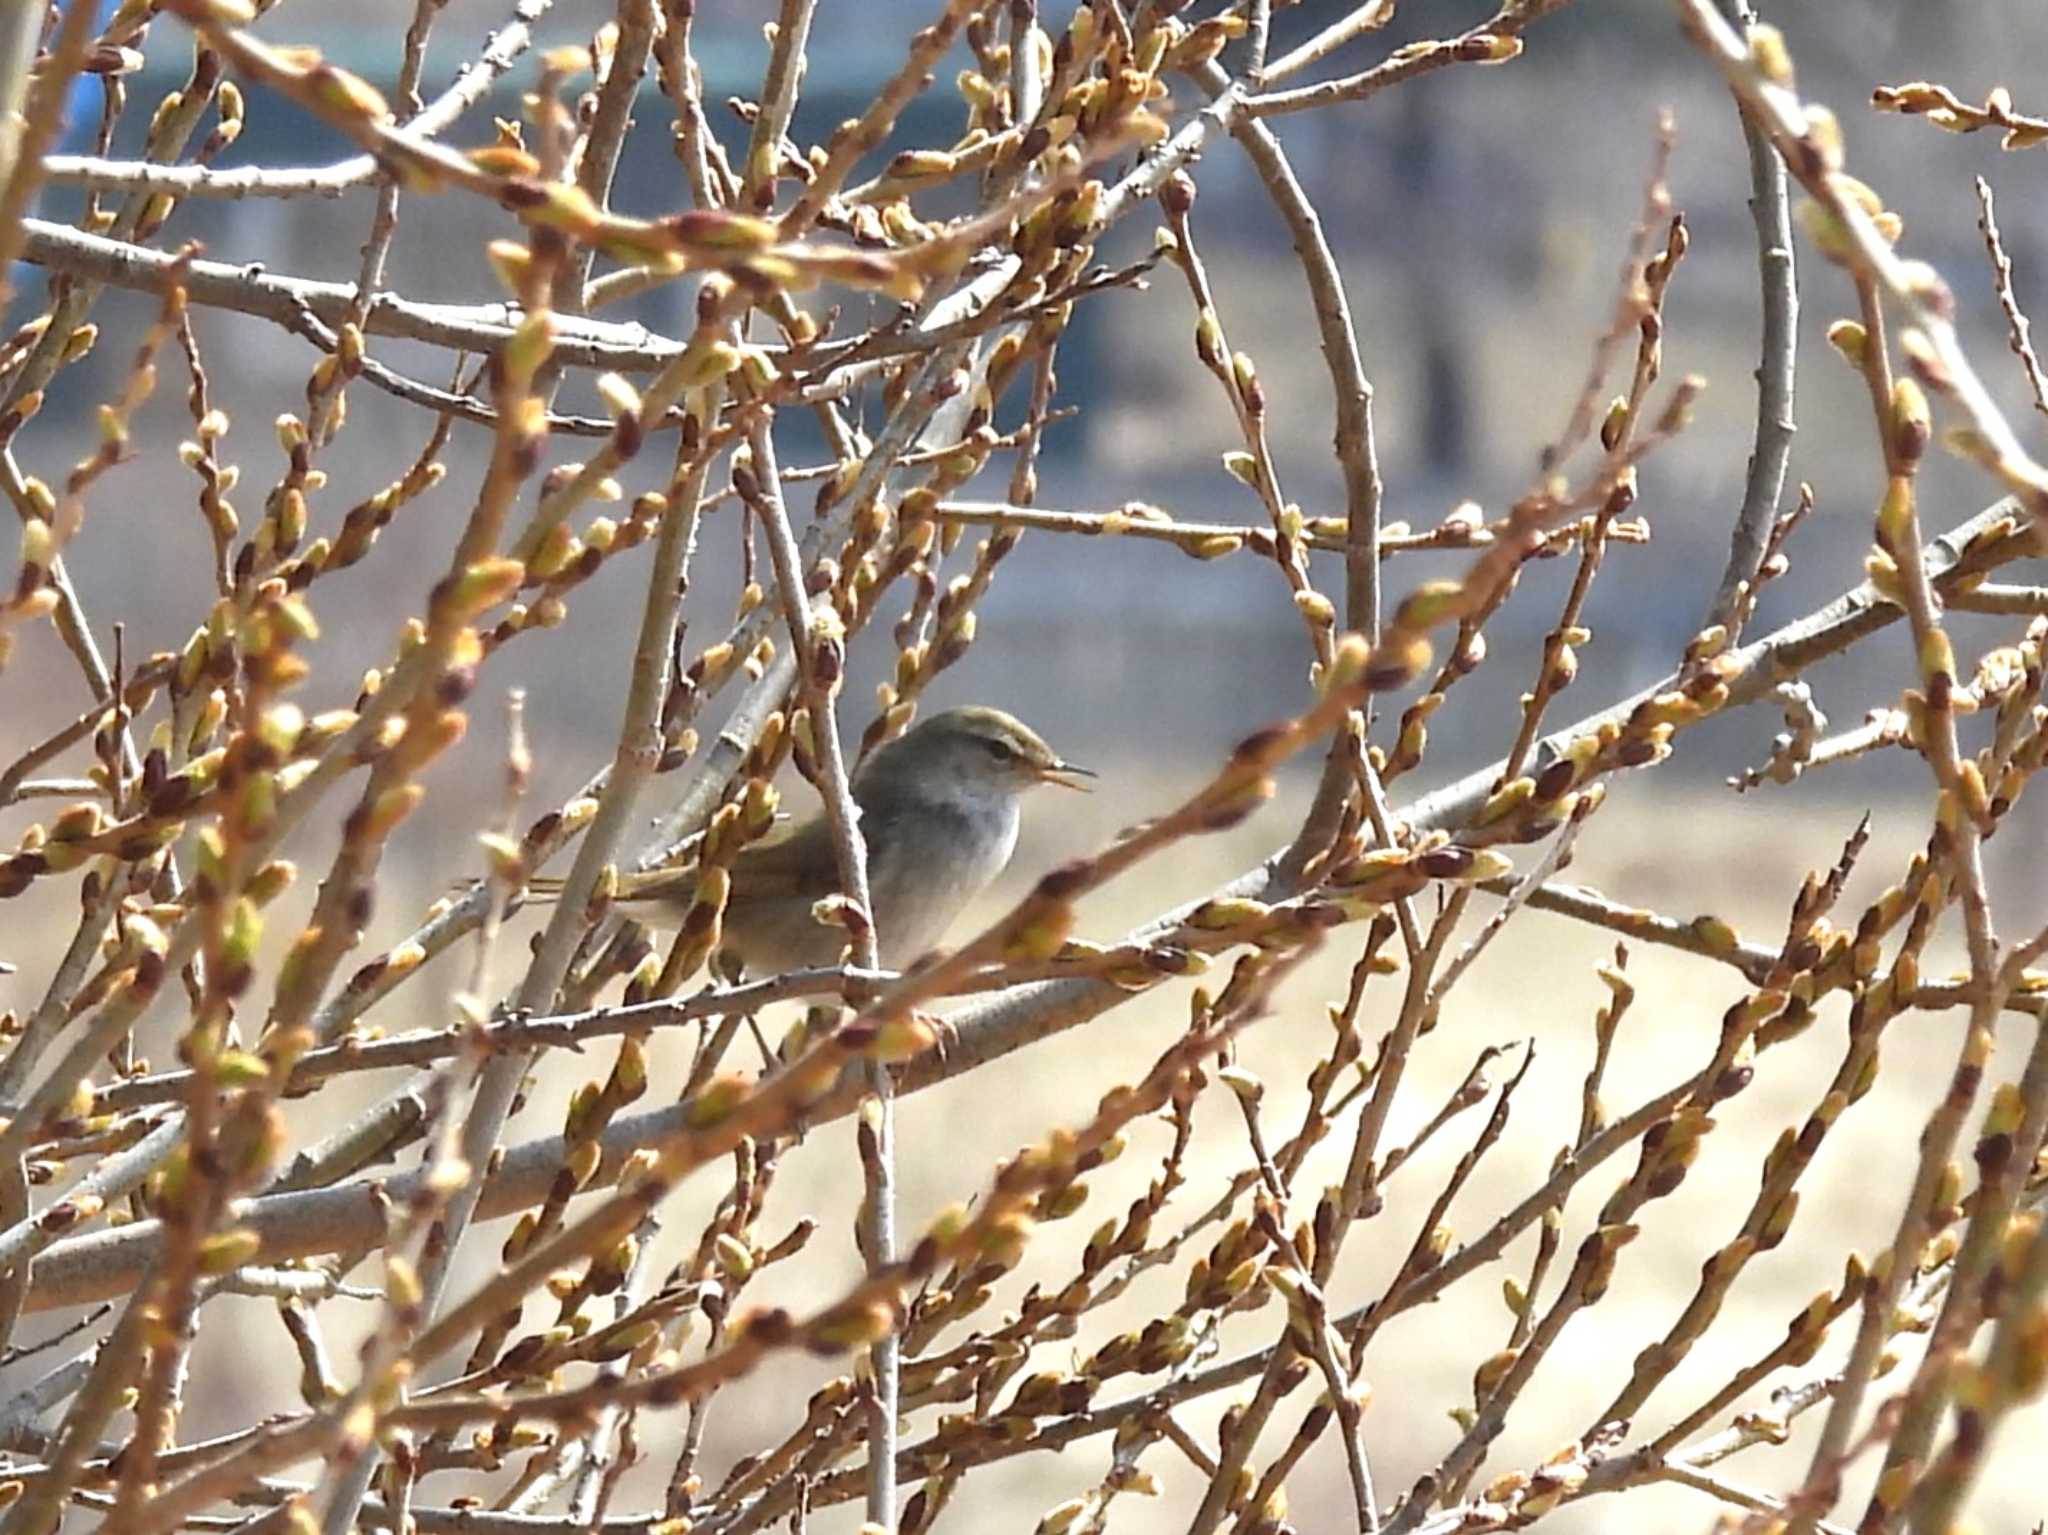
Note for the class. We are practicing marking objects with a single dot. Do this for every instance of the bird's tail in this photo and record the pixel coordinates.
(647, 885)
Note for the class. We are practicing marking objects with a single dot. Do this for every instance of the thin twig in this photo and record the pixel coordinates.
(1778, 276)
(2017, 325)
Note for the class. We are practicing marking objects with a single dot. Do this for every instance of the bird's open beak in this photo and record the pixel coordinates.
(1067, 776)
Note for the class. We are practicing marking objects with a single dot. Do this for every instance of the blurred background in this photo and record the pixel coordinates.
(1480, 217)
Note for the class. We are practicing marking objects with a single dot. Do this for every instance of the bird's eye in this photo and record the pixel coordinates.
(1001, 751)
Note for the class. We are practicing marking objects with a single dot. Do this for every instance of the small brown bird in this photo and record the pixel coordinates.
(939, 812)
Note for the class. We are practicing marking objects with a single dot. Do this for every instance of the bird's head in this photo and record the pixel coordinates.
(973, 752)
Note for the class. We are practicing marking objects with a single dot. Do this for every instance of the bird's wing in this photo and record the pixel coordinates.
(791, 860)
(795, 862)
(675, 884)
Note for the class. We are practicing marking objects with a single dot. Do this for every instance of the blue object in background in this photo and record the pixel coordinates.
(82, 105)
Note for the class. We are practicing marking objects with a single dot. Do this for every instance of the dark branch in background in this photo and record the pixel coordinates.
(2015, 318)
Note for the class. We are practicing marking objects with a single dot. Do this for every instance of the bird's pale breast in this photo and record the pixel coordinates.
(927, 858)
